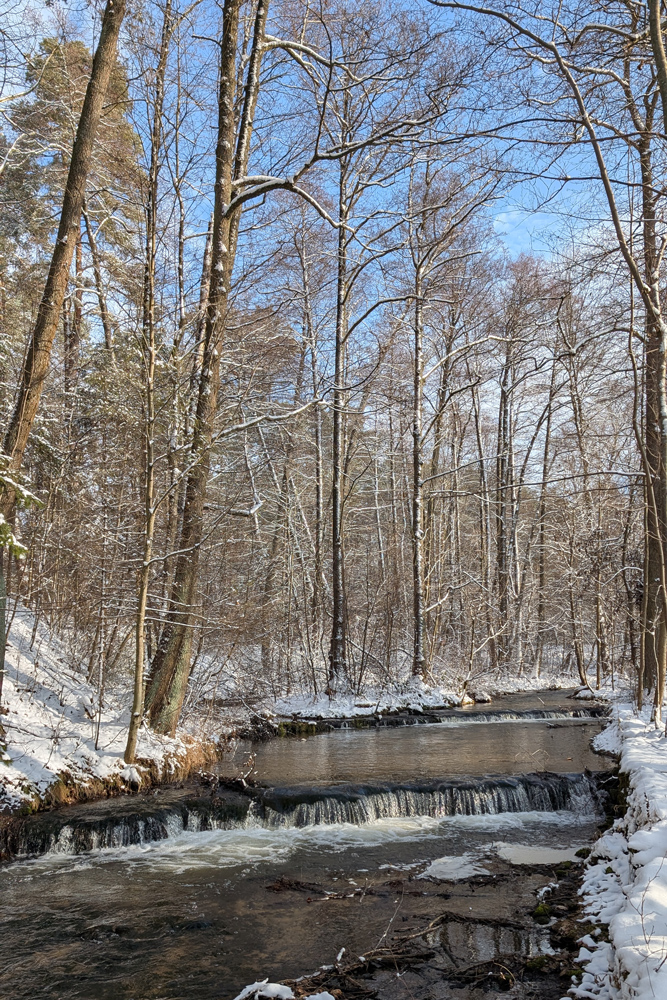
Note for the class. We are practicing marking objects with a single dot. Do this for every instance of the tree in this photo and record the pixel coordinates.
(585, 62)
(171, 665)
(39, 351)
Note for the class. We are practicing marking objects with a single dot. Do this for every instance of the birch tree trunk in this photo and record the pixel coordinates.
(503, 486)
(337, 649)
(542, 517)
(418, 657)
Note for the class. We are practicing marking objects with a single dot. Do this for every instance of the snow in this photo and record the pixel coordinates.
(267, 989)
(54, 726)
(625, 884)
(51, 723)
(524, 854)
(609, 739)
(131, 776)
(586, 694)
(414, 695)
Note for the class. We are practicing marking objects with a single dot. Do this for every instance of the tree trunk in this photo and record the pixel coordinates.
(337, 652)
(541, 545)
(171, 664)
(318, 575)
(654, 607)
(149, 358)
(485, 533)
(36, 365)
(502, 505)
(418, 658)
(99, 287)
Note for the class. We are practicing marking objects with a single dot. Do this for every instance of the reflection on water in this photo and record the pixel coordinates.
(419, 752)
(192, 918)
(196, 918)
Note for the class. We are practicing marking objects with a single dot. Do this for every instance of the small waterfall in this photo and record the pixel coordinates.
(457, 716)
(530, 715)
(487, 796)
(111, 833)
(119, 823)
(124, 823)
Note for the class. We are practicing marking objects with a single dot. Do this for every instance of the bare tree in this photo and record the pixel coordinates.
(36, 363)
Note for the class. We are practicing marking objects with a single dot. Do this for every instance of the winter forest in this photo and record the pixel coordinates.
(333, 343)
(333, 397)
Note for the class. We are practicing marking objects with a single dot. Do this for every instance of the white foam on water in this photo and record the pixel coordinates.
(249, 847)
(511, 718)
(509, 821)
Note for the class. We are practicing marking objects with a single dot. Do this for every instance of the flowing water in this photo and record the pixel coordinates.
(183, 895)
(540, 738)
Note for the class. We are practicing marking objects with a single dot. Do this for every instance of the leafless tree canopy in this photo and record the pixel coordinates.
(332, 344)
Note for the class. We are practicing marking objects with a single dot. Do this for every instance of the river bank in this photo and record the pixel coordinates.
(67, 794)
(483, 940)
(338, 840)
(517, 735)
(60, 745)
(625, 881)
(607, 915)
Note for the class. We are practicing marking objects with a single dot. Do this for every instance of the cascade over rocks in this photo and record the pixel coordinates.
(473, 797)
(451, 716)
(121, 823)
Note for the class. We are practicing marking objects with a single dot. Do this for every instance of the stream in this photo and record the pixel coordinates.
(193, 893)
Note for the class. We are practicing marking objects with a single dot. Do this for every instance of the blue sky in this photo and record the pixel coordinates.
(527, 232)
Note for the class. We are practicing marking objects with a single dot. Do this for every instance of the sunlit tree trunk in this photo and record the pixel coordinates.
(542, 530)
(171, 664)
(149, 348)
(418, 657)
(337, 649)
(36, 364)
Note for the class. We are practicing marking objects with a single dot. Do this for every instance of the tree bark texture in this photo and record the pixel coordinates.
(418, 657)
(337, 649)
(149, 348)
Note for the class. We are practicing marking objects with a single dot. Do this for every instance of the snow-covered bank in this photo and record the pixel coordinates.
(625, 885)
(58, 744)
(55, 740)
(416, 696)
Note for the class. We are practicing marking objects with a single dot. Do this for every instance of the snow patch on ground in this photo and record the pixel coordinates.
(525, 854)
(348, 706)
(266, 989)
(275, 991)
(54, 724)
(625, 884)
(609, 740)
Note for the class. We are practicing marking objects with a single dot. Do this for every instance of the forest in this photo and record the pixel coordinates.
(333, 499)
(333, 344)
